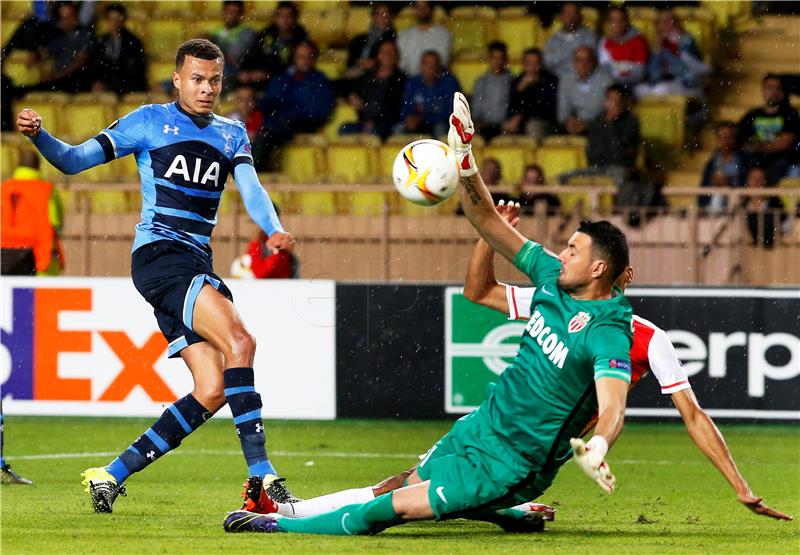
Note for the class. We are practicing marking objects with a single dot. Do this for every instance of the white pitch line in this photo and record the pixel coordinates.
(186, 452)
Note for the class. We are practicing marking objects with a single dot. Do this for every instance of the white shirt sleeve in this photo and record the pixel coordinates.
(519, 302)
(666, 365)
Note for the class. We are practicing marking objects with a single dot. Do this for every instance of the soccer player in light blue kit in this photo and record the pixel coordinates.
(185, 154)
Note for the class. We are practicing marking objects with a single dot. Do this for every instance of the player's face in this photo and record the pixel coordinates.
(578, 265)
(199, 83)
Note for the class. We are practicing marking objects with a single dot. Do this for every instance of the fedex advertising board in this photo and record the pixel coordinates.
(91, 346)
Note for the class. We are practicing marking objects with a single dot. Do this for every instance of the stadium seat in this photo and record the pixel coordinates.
(363, 202)
(699, 22)
(351, 159)
(48, 105)
(662, 122)
(109, 202)
(174, 8)
(556, 159)
(406, 17)
(88, 115)
(470, 32)
(21, 72)
(8, 25)
(467, 69)
(359, 19)
(790, 183)
(342, 113)
(303, 160)
(513, 153)
(125, 169)
(164, 38)
(327, 27)
(15, 11)
(315, 203)
(520, 33)
(132, 101)
(643, 18)
(209, 8)
(159, 72)
(333, 63)
(569, 201)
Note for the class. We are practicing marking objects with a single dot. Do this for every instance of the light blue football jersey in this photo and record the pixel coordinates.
(184, 162)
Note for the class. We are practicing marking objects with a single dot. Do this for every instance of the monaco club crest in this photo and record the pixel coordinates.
(579, 322)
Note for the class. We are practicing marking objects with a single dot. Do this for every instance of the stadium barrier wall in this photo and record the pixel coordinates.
(91, 346)
(427, 352)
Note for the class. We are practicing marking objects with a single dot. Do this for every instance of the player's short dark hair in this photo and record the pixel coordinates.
(117, 7)
(498, 45)
(608, 243)
(197, 48)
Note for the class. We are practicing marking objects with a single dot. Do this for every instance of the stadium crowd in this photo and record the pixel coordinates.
(399, 82)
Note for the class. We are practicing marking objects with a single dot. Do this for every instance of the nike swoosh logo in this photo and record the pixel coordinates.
(439, 491)
(545, 291)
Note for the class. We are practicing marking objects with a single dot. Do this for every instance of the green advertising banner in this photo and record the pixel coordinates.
(479, 344)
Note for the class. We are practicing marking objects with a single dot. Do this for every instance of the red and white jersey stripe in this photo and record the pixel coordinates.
(651, 351)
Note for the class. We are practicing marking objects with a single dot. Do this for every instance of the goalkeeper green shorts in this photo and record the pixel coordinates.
(471, 469)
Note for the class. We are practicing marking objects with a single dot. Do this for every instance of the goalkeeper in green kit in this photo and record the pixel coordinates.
(573, 362)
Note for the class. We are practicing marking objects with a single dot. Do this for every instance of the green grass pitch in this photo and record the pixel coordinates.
(669, 500)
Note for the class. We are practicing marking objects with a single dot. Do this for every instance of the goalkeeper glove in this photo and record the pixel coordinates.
(460, 135)
(589, 456)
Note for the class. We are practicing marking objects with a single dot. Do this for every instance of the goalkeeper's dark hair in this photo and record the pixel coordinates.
(608, 243)
(197, 48)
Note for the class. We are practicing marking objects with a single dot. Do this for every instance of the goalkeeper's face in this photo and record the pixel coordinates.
(578, 264)
(199, 83)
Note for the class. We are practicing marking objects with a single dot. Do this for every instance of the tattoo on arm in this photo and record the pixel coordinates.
(469, 187)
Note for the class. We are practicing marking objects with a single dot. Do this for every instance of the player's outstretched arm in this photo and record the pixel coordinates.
(709, 440)
(260, 207)
(66, 158)
(475, 197)
(480, 285)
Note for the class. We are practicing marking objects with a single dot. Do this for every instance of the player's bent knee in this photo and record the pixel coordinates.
(211, 397)
(242, 348)
(411, 503)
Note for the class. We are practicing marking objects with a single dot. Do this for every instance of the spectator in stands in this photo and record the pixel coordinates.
(771, 133)
(764, 213)
(423, 37)
(676, 65)
(119, 64)
(529, 201)
(428, 98)
(623, 51)
(581, 93)
(362, 52)
(532, 102)
(272, 51)
(32, 216)
(560, 48)
(299, 100)
(246, 111)
(491, 93)
(68, 51)
(727, 166)
(378, 95)
(235, 39)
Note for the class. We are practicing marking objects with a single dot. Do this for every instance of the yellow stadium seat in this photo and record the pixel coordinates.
(260, 9)
(790, 183)
(132, 101)
(512, 11)
(159, 72)
(9, 156)
(125, 169)
(359, 19)
(15, 11)
(568, 201)
(699, 22)
(21, 72)
(351, 158)
(662, 122)
(513, 153)
(164, 38)
(342, 113)
(326, 27)
(109, 202)
(643, 18)
(730, 13)
(87, 119)
(209, 8)
(172, 8)
(333, 63)
(520, 33)
(323, 5)
(591, 17)
(467, 70)
(407, 18)
(315, 203)
(363, 202)
(50, 106)
(556, 159)
(7, 26)
(470, 34)
(303, 160)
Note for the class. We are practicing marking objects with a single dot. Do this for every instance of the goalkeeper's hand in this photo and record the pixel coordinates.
(590, 457)
(460, 135)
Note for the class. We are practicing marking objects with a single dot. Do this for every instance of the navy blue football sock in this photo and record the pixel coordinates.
(245, 405)
(178, 421)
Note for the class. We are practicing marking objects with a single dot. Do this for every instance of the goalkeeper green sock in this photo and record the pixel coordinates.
(365, 519)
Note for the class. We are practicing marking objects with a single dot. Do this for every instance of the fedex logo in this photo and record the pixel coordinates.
(34, 338)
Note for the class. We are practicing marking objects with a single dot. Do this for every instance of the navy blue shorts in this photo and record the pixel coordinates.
(169, 276)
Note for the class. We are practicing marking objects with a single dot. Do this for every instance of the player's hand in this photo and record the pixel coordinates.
(279, 241)
(756, 504)
(591, 460)
(509, 211)
(29, 122)
(460, 135)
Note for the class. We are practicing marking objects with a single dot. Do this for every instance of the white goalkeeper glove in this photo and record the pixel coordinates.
(460, 135)
(590, 457)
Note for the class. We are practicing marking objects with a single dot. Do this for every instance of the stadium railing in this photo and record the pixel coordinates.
(383, 240)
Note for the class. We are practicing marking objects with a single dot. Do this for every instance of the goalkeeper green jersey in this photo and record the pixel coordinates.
(547, 394)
